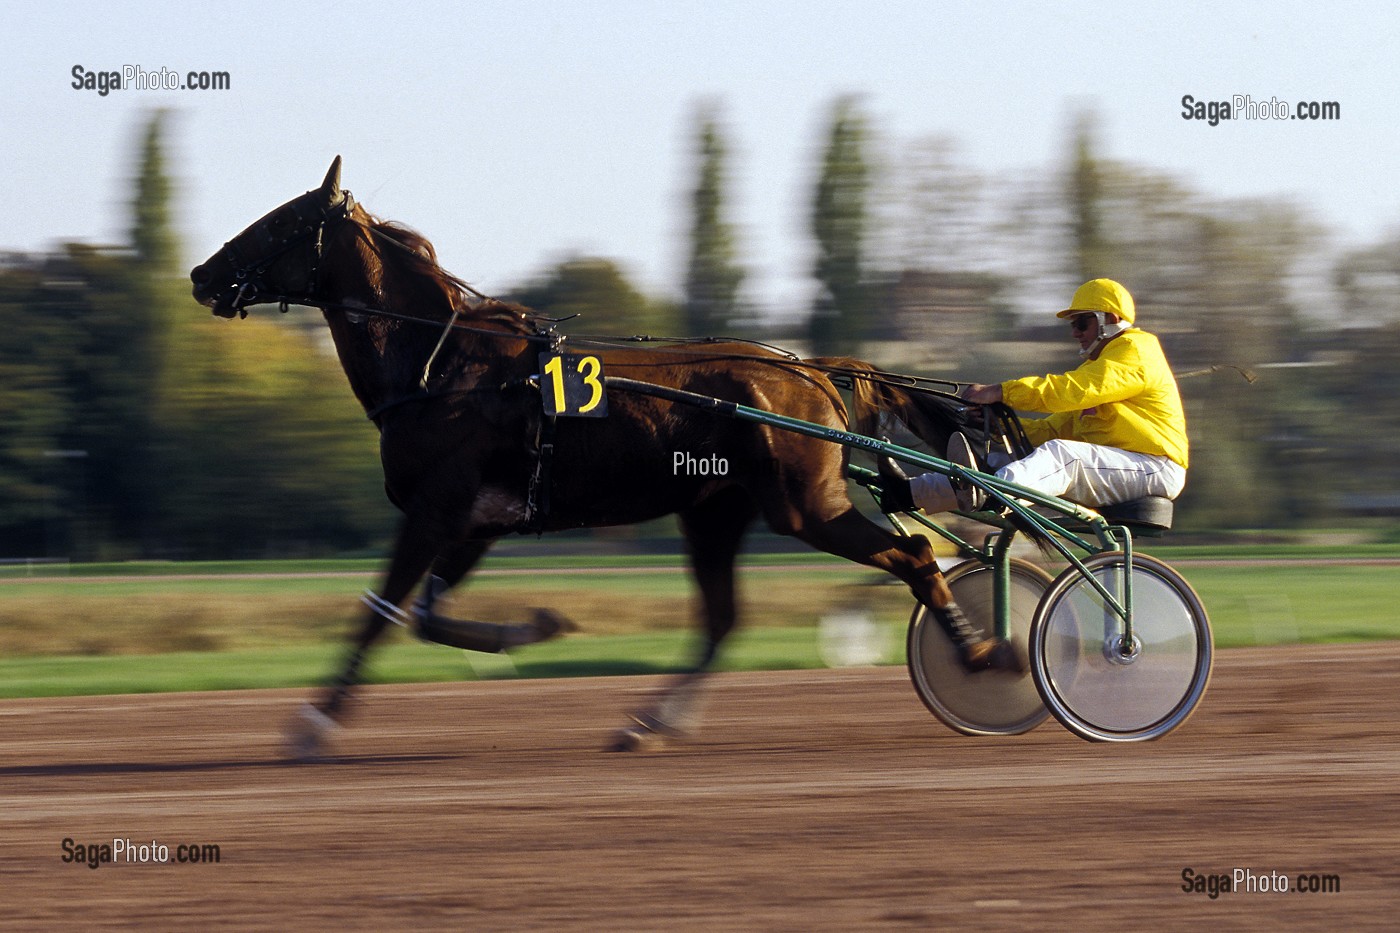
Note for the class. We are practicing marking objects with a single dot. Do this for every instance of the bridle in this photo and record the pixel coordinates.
(311, 220)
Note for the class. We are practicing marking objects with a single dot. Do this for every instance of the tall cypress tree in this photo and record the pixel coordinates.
(1085, 196)
(839, 223)
(713, 278)
(152, 239)
(117, 372)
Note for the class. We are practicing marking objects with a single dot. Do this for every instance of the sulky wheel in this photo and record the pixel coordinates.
(1101, 688)
(989, 702)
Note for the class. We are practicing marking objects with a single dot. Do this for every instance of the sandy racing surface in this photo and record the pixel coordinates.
(811, 800)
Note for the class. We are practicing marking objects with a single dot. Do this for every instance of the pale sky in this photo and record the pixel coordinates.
(513, 133)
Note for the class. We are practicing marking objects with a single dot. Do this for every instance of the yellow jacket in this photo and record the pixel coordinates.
(1126, 397)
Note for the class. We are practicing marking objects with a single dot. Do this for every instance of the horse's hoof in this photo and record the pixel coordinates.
(626, 740)
(305, 735)
(547, 624)
(637, 740)
(645, 734)
(994, 654)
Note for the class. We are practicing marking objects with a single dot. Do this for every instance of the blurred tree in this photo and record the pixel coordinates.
(713, 277)
(1093, 254)
(132, 424)
(944, 222)
(1362, 429)
(1223, 279)
(121, 310)
(34, 410)
(1369, 281)
(273, 452)
(1363, 342)
(838, 321)
(152, 238)
(598, 291)
(943, 298)
(111, 372)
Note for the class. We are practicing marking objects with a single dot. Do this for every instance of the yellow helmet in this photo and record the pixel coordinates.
(1103, 295)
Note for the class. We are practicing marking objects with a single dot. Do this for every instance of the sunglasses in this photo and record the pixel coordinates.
(1080, 323)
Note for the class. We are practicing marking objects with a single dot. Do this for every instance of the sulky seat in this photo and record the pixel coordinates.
(1148, 514)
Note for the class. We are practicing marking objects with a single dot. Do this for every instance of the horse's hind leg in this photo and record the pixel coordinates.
(713, 532)
(851, 535)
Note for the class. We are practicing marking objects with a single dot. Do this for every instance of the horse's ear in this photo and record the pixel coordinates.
(331, 186)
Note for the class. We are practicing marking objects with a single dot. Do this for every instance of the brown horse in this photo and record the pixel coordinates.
(451, 380)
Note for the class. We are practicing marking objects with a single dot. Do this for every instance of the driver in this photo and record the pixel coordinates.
(1116, 429)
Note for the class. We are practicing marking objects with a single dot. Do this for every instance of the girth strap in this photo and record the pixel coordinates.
(537, 502)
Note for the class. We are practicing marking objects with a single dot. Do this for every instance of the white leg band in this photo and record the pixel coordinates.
(385, 609)
(316, 719)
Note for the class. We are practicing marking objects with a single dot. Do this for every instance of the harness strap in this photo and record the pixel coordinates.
(537, 501)
(423, 383)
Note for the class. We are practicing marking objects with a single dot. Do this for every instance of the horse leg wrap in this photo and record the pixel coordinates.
(305, 735)
(316, 720)
(679, 708)
(959, 627)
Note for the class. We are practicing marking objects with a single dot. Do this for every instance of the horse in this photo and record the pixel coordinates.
(452, 380)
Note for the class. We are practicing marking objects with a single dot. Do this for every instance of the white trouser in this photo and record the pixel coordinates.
(1094, 475)
(1089, 474)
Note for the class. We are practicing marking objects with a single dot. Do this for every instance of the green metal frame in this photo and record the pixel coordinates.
(1069, 525)
(1063, 531)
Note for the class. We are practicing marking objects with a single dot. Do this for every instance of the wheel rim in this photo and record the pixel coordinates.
(988, 703)
(1103, 689)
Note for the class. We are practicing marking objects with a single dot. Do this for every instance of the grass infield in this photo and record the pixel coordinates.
(163, 627)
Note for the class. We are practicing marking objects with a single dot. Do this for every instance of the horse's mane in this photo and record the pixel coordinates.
(408, 255)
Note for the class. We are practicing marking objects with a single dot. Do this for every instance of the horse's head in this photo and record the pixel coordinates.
(276, 259)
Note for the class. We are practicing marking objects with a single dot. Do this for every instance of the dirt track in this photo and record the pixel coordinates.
(826, 800)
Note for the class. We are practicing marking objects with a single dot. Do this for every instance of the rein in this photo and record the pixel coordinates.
(253, 290)
(681, 346)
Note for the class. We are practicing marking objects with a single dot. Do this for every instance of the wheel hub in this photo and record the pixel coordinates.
(1120, 650)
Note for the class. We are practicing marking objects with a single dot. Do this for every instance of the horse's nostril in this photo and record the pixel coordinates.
(200, 275)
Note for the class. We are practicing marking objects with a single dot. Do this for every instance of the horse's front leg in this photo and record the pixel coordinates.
(491, 637)
(414, 552)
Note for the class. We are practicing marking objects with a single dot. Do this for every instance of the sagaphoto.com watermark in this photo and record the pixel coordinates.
(1248, 881)
(121, 851)
(1245, 107)
(135, 78)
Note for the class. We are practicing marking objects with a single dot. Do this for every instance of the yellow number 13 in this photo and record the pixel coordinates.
(589, 369)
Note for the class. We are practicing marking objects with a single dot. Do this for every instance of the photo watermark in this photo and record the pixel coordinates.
(125, 852)
(1248, 881)
(134, 77)
(684, 463)
(1244, 107)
